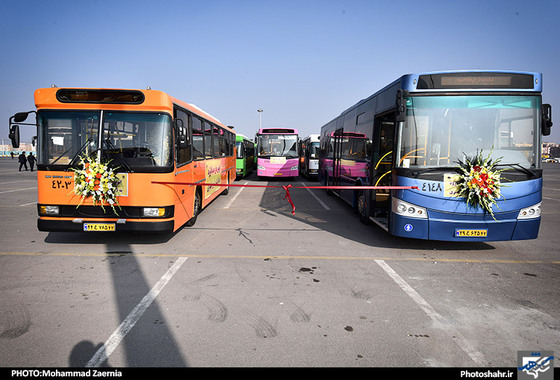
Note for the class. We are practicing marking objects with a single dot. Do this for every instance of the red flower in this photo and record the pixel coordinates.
(476, 168)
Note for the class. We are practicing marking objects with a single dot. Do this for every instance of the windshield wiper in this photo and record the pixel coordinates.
(417, 172)
(520, 168)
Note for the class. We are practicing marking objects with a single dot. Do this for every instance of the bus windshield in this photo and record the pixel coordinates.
(440, 130)
(314, 150)
(277, 146)
(240, 150)
(132, 141)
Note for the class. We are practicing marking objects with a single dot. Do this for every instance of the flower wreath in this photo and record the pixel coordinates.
(479, 181)
(96, 179)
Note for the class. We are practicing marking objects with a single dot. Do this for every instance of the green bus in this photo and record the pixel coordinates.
(245, 162)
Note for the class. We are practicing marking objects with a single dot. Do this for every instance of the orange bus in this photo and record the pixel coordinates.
(146, 138)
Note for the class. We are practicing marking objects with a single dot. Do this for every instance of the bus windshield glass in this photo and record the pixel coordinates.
(132, 141)
(240, 150)
(440, 130)
(140, 140)
(277, 146)
(314, 150)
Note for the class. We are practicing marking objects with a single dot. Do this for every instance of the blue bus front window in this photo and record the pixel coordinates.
(439, 130)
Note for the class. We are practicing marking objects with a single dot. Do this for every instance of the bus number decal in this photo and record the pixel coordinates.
(432, 187)
(59, 184)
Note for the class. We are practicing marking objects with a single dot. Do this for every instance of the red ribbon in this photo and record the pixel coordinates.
(287, 188)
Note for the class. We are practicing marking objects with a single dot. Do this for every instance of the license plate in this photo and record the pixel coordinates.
(99, 227)
(471, 233)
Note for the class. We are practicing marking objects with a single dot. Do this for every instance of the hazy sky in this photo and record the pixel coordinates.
(303, 62)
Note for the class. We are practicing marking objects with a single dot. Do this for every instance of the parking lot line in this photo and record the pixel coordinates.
(228, 205)
(286, 257)
(14, 190)
(114, 340)
(316, 197)
(463, 343)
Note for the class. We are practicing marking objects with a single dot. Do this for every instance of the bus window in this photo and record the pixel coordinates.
(183, 142)
(207, 140)
(143, 140)
(198, 138)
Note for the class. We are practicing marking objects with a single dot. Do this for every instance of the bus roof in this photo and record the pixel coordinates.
(313, 137)
(240, 137)
(463, 80)
(116, 100)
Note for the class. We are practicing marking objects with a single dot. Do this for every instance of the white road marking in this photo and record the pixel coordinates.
(461, 341)
(13, 191)
(118, 335)
(317, 198)
(235, 196)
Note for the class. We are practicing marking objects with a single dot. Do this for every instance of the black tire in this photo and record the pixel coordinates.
(362, 206)
(196, 208)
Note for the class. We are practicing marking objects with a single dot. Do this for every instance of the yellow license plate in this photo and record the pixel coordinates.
(88, 227)
(471, 233)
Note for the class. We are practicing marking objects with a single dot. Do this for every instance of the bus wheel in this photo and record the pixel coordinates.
(329, 191)
(196, 208)
(362, 207)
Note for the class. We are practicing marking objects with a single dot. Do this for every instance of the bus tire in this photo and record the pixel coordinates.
(329, 191)
(196, 208)
(362, 206)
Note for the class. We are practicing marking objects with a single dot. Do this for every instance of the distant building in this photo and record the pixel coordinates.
(550, 150)
(7, 149)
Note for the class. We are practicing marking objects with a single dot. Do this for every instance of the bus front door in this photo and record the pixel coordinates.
(337, 158)
(384, 130)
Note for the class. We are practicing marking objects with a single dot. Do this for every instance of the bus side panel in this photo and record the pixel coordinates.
(216, 170)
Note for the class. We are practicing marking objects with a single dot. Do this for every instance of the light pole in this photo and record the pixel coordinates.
(260, 117)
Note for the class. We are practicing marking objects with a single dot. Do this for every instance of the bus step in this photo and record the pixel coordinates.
(382, 222)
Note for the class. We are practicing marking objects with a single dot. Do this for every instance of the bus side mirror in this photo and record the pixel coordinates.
(546, 123)
(20, 117)
(14, 135)
(400, 113)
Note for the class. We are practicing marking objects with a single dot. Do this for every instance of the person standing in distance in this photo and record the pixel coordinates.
(22, 161)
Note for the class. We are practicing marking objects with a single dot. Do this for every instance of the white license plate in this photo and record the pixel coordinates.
(90, 227)
(471, 233)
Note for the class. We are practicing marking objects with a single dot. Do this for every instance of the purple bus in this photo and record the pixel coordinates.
(277, 152)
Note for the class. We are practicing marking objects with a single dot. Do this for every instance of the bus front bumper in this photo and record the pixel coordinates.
(119, 225)
(465, 230)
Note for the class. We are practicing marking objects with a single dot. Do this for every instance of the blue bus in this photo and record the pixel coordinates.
(470, 141)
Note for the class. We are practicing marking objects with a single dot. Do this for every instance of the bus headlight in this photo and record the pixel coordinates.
(530, 212)
(294, 168)
(260, 167)
(153, 212)
(49, 210)
(408, 209)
